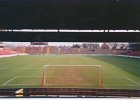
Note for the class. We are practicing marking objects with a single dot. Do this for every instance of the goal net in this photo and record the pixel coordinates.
(80, 76)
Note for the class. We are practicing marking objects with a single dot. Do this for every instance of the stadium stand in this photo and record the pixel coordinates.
(68, 50)
(7, 52)
(105, 49)
(134, 54)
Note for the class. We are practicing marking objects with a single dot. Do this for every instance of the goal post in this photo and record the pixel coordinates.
(44, 77)
(99, 77)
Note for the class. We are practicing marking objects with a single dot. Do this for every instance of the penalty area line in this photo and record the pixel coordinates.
(9, 80)
(132, 81)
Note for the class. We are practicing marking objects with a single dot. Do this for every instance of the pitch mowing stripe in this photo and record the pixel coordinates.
(59, 76)
(9, 80)
(71, 85)
(87, 85)
(35, 76)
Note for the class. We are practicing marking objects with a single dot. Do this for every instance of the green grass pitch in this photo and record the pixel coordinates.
(27, 71)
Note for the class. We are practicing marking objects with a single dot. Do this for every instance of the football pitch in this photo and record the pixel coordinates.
(70, 71)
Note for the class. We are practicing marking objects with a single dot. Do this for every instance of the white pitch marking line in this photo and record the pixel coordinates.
(72, 65)
(28, 76)
(132, 80)
(70, 84)
(22, 84)
(9, 80)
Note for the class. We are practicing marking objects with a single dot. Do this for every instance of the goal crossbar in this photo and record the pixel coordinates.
(74, 65)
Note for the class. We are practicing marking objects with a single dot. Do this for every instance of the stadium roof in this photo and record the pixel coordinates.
(70, 14)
